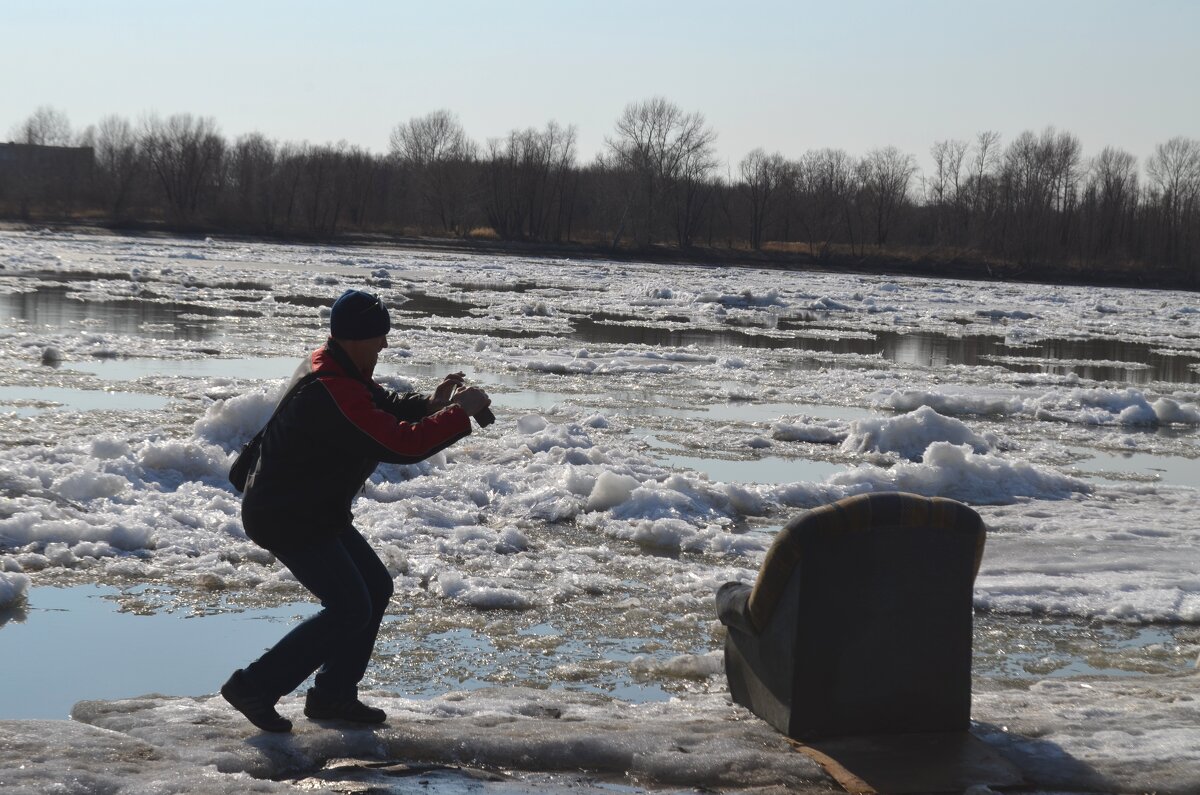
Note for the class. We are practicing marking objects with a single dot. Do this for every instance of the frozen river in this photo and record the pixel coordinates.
(657, 424)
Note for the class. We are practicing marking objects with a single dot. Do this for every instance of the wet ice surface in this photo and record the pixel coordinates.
(656, 425)
(1101, 735)
(702, 742)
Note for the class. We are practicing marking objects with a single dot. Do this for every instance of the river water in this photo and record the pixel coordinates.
(710, 383)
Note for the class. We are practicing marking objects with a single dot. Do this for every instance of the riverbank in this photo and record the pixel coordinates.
(1138, 736)
(936, 262)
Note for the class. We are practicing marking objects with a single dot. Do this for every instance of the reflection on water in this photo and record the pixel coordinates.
(73, 644)
(25, 401)
(742, 411)
(766, 469)
(423, 661)
(1146, 363)
(420, 303)
(1171, 470)
(498, 287)
(190, 651)
(54, 306)
(1027, 647)
(135, 368)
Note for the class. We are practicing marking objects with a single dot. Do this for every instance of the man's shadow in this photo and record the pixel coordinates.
(283, 746)
(1043, 764)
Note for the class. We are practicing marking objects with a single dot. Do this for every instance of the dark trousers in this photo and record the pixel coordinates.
(354, 588)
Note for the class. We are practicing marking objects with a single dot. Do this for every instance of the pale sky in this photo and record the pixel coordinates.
(786, 76)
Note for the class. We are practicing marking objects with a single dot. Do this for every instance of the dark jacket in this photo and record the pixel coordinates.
(322, 446)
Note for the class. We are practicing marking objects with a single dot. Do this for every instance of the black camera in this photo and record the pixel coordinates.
(485, 417)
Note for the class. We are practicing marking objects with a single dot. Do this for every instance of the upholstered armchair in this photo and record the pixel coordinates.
(860, 620)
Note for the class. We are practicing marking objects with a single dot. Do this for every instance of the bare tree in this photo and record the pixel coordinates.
(358, 175)
(118, 166)
(1040, 182)
(46, 126)
(441, 156)
(184, 152)
(884, 176)
(527, 176)
(1174, 171)
(763, 178)
(1067, 171)
(318, 195)
(826, 184)
(290, 172)
(1110, 202)
(668, 156)
(1026, 179)
(982, 187)
(691, 191)
(1174, 168)
(944, 187)
(252, 165)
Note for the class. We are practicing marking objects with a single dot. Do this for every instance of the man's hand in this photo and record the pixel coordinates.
(472, 399)
(445, 391)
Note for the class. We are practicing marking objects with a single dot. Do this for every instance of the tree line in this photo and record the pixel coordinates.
(1037, 200)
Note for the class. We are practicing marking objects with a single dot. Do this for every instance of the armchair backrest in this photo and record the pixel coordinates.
(879, 587)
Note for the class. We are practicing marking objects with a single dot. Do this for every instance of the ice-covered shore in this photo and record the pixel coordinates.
(1095, 735)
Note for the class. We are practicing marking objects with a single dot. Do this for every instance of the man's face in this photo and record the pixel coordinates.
(365, 353)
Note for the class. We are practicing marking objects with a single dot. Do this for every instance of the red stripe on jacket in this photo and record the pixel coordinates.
(403, 439)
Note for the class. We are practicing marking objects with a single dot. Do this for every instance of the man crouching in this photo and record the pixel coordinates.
(317, 452)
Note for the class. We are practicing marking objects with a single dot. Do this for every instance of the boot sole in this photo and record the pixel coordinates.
(345, 719)
(275, 728)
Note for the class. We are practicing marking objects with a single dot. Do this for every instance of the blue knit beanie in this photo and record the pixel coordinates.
(357, 315)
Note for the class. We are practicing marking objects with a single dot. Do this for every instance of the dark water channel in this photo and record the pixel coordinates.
(1096, 359)
(54, 306)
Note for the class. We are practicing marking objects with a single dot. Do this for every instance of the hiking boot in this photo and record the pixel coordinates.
(257, 708)
(319, 707)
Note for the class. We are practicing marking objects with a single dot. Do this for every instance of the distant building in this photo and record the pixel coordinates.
(49, 177)
(50, 159)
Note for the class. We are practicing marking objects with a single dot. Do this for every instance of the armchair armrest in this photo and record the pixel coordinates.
(733, 607)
